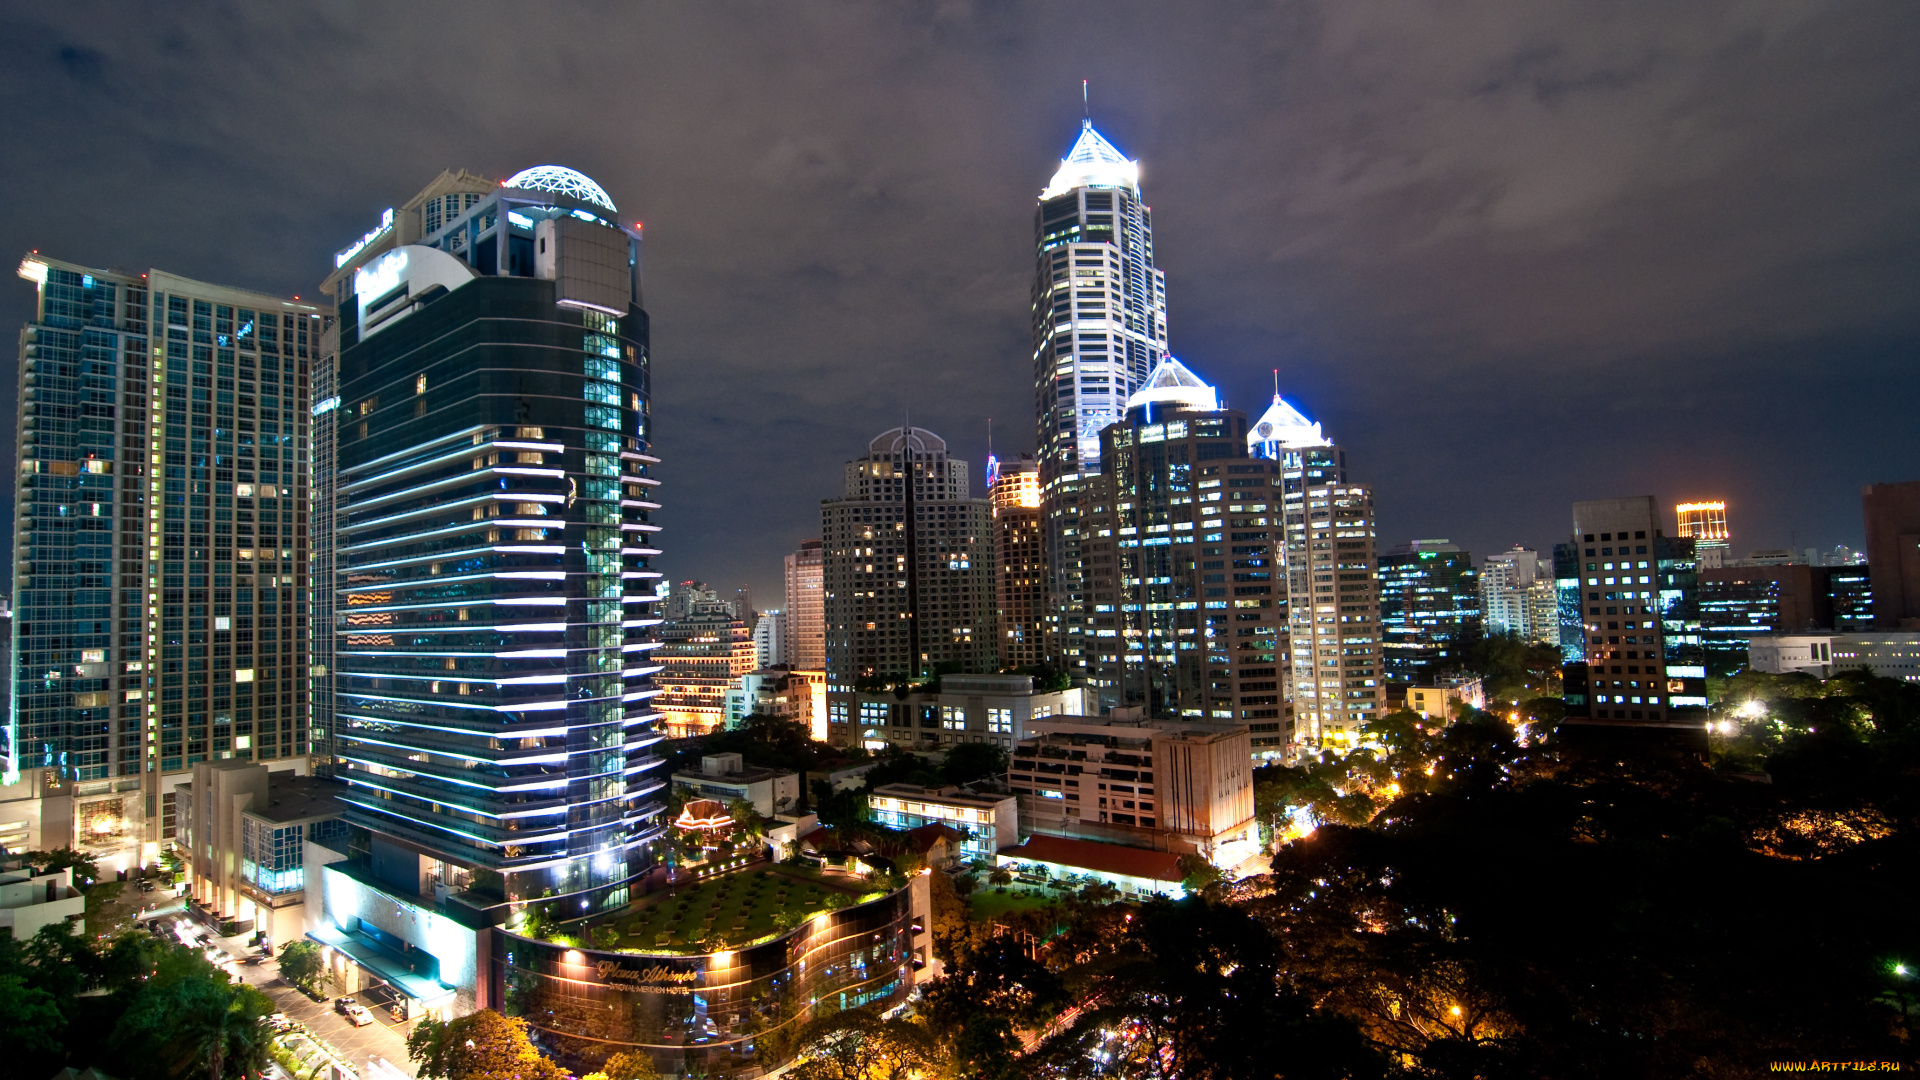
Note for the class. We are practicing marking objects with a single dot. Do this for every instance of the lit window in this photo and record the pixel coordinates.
(243, 674)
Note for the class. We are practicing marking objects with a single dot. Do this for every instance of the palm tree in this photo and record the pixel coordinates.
(1000, 876)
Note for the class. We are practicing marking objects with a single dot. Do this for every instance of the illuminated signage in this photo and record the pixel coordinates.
(380, 276)
(652, 980)
(386, 223)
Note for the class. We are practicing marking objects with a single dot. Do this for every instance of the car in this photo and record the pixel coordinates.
(279, 1022)
(358, 1016)
(342, 1004)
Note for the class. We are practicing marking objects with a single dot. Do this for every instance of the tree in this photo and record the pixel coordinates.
(30, 1024)
(979, 1007)
(1000, 877)
(856, 1044)
(86, 869)
(1197, 874)
(302, 965)
(479, 1046)
(973, 763)
(625, 1066)
(190, 1021)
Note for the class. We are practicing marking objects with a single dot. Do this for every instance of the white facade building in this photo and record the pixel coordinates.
(1890, 654)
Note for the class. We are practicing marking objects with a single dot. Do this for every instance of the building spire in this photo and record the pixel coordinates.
(1086, 111)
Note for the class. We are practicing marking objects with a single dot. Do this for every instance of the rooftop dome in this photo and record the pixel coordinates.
(1093, 162)
(1286, 427)
(562, 181)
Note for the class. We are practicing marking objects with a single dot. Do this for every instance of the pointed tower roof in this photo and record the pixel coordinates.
(1093, 162)
(1173, 383)
(1285, 427)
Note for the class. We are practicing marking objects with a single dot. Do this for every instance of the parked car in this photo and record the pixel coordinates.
(342, 1004)
(358, 1016)
(279, 1022)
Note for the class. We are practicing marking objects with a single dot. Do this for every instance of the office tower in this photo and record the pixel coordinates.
(1099, 309)
(1893, 551)
(806, 609)
(908, 566)
(494, 502)
(1334, 614)
(770, 638)
(160, 539)
(1705, 523)
(1738, 603)
(1643, 664)
(1850, 597)
(701, 656)
(1183, 562)
(1013, 488)
(1519, 597)
(1429, 607)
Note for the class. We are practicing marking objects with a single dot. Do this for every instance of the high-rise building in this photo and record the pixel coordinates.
(1334, 613)
(1850, 597)
(701, 656)
(1738, 603)
(1705, 523)
(908, 566)
(1429, 607)
(1518, 596)
(1644, 667)
(1021, 589)
(1188, 613)
(1099, 320)
(160, 547)
(1568, 589)
(1893, 551)
(770, 638)
(806, 609)
(493, 501)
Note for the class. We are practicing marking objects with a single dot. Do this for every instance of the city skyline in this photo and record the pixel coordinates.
(1484, 286)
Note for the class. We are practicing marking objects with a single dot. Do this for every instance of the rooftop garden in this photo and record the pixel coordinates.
(728, 911)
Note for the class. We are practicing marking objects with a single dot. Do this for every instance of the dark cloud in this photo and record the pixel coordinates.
(1512, 255)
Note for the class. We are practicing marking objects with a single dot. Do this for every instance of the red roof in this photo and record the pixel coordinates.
(1093, 855)
(932, 833)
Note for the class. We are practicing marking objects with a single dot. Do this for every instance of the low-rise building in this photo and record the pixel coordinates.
(727, 779)
(1060, 862)
(31, 900)
(1890, 654)
(244, 831)
(1437, 701)
(987, 822)
(965, 708)
(776, 691)
(1176, 786)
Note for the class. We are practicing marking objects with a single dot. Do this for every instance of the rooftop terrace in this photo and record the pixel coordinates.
(727, 911)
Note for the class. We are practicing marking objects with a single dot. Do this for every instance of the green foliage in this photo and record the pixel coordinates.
(1197, 874)
(625, 1066)
(190, 1020)
(480, 1046)
(972, 763)
(302, 965)
(1512, 668)
(103, 915)
(856, 1044)
(86, 869)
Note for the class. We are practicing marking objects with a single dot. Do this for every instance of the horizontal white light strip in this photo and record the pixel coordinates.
(464, 433)
(463, 553)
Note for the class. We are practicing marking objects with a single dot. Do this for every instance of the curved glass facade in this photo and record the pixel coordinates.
(717, 1014)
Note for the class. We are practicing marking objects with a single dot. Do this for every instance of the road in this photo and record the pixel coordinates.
(384, 1038)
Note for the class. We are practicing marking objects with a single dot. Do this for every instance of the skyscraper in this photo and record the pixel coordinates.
(1429, 605)
(1021, 588)
(1099, 325)
(1892, 514)
(908, 567)
(1644, 666)
(701, 654)
(806, 609)
(1334, 613)
(1519, 597)
(494, 517)
(1188, 601)
(160, 545)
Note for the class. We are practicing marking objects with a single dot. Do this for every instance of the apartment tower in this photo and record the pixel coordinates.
(1013, 488)
(160, 547)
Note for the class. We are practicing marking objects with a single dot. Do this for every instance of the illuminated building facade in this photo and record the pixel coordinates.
(907, 565)
(1644, 667)
(1429, 605)
(1333, 612)
(1705, 523)
(161, 548)
(806, 609)
(1013, 488)
(492, 484)
(701, 656)
(1099, 319)
(1188, 600)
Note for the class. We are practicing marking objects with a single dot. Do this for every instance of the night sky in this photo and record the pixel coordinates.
(1511, 255)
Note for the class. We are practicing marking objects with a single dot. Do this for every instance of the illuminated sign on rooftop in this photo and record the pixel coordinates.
(386, 223)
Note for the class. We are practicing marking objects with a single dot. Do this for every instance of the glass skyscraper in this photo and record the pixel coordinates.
(1099, 327)
(492, 497)
(161, 546)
